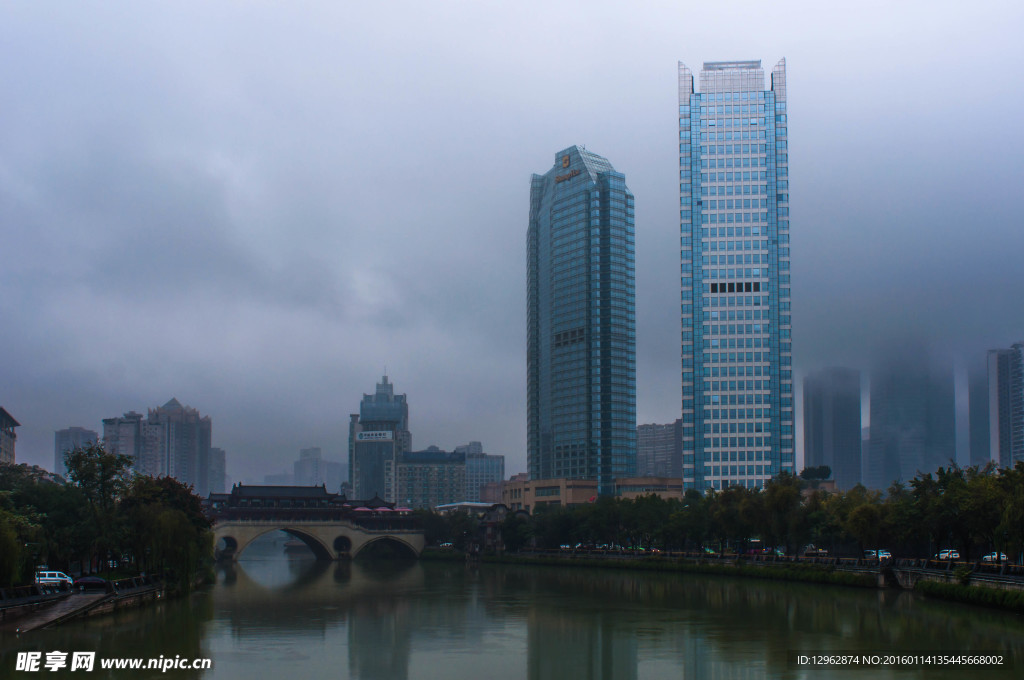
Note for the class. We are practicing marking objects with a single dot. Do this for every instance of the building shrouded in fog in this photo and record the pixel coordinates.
(67, 440)
(913, 418)
(832, 431)
(1006, 405)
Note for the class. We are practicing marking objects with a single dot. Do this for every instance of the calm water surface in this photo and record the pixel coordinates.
(271, 616)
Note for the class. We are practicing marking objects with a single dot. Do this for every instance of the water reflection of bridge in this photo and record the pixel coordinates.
(331, 525)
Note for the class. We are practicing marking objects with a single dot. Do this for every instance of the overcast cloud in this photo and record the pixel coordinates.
(256, 207)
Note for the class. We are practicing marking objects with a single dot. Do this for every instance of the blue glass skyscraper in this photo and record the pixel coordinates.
(734, 224)
(581, 323)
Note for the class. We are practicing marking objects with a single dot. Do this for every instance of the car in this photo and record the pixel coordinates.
(884, 555)
(46, 578)
(994, 557)
(91, 583)
(948, 555)
(870, 554)
(446, 545)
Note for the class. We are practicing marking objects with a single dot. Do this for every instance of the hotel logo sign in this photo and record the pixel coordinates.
(569, 175)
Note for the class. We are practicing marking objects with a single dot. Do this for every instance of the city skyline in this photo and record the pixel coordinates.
(204, 203)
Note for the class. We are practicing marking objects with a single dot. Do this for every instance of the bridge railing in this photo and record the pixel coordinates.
(403, 524)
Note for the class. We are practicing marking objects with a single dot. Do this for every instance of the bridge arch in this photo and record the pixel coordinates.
(399, 545)
(235, 542)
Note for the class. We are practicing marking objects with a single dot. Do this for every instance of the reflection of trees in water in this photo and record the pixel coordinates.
(732, 620)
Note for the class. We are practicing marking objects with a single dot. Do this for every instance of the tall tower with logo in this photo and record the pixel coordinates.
(377, 434)
(581, 322)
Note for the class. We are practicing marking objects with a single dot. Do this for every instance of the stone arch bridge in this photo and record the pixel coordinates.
(328, 539)
(332, 526)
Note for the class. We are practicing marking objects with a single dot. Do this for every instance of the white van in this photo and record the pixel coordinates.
(45, 578)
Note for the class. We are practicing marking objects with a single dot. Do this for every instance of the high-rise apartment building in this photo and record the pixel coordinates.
(172, 441)
(68, 440)
(581, 322)
(376, 435)
(734, 226)
(832, 431)
(124, 435)
(659, 450)
(913, 417)
(1006, 405)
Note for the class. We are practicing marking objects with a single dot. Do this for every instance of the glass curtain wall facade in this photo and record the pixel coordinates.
(581, 323)
(737, 372)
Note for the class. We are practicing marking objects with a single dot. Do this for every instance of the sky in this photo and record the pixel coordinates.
(259, 207)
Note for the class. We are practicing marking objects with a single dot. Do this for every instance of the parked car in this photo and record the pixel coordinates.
(884, 555)
(878, 554)
(45, 578)
(948, 555)
(91, 583)
(994, 557)
(870, 554)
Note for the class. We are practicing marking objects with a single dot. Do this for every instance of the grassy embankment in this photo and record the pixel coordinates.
(1012, 600)
(796, 572)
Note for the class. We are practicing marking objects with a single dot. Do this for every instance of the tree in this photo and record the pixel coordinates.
(435, 528)
(103, 478)
(819, 472)
(12, 556)
(646, 515)
(515, 531)
(1010, 530)
(983, 502)
(166, 528)
(863, 523)
(728, 521)
(782, 501)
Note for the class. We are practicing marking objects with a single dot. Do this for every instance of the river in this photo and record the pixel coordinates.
(279, 616)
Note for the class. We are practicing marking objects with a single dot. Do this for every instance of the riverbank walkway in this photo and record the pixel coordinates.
(68, 607)
(55, 611)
